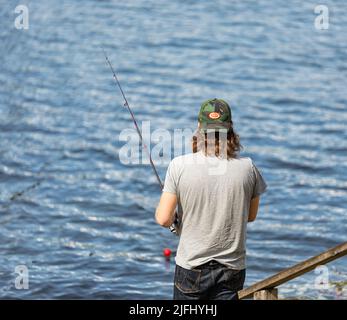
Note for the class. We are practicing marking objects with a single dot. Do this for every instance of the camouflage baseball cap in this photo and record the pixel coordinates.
(214, 114)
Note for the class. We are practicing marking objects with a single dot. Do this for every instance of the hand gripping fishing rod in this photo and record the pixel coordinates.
(126, 104)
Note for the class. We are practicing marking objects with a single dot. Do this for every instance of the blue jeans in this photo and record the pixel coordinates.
(211, 281)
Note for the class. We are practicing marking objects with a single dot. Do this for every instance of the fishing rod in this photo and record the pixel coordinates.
(126, 104)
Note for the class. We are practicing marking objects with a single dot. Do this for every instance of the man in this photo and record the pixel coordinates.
(218, 193)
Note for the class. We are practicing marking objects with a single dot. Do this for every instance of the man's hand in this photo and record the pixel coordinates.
(165, 213)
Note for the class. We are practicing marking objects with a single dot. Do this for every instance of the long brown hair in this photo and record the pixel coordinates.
(219, 144)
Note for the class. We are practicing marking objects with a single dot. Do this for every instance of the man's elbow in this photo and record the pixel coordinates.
(253, 209)
(252, 215)
(251, 219)
(162, 221)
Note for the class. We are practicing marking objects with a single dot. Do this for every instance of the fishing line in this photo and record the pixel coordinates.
(34, 185)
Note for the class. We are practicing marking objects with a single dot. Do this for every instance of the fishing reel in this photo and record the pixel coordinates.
(175, 227)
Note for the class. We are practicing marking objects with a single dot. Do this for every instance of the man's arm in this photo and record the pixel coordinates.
(165, 212)
(253, 209)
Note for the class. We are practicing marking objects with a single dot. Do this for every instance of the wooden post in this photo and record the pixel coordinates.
(268, 294)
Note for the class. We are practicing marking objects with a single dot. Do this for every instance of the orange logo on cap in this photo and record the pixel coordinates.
(214, 115)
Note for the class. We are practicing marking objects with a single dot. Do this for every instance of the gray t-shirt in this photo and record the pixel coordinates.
(214, 197)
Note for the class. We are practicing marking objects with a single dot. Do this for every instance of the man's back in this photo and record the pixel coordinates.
(215, 196)
(217, 193)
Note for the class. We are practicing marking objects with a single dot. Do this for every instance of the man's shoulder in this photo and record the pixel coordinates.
(246, 160)
(183, 159)
(242, 163)
(198, 158)
(192, 156)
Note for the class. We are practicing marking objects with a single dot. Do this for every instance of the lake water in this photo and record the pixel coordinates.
(84, 224)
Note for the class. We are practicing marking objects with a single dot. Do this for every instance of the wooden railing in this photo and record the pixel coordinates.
(266, 289)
